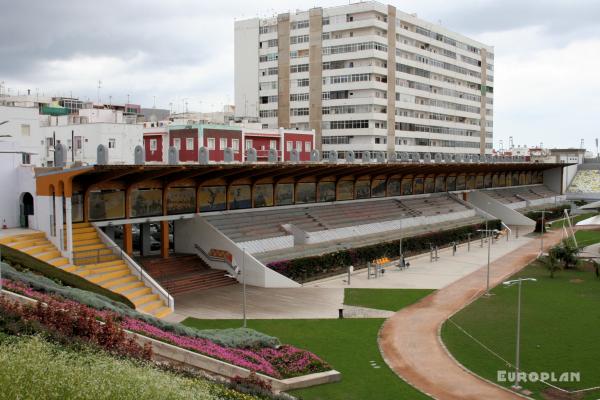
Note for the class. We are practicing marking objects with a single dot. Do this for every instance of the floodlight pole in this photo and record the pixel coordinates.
(488, 233)
(244, 285)
(542, 232)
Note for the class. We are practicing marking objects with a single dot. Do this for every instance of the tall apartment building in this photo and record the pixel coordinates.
(366, 77)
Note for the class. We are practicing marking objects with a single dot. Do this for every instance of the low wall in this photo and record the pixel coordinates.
(198, 232)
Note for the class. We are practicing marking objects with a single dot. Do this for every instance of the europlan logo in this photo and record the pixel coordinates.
(542, 376)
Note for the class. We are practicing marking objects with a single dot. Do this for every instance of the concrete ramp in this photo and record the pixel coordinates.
(499, 210)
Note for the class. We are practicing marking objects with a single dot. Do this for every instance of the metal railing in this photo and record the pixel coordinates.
(136, 269)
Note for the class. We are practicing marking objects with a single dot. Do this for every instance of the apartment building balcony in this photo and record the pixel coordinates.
(358, 24)
(356, 55)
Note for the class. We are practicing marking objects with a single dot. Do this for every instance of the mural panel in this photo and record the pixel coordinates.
(306, 192)
(284, 194)
(263, 195)
(487, 181)
(495, 180)
(461, 182)
(146, 202)
(429, 184)
(345, 190)
(362, 189)
(212, 198)
(77, 207)
(107, 204)
(418, 186)
(479, 182)
(239, 197)
(378, 188)
(181, 200)
(326, 191)
(394, 187)
(471, 182)
(440, 184)
(502, 180)
(528, 180)
(407, 186)
(451, 183)
(515, 178)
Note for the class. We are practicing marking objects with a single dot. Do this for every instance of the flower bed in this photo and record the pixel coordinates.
(73, 319)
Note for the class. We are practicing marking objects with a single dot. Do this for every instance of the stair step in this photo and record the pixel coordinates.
(85, 235)
(24, 244)
(23, 236)
(89, 247)
(105, 264)
(119, 281)
(149, 307)
(108, 276)
(143, 299)
(84, 242)
(81, 225)
(58, 262)
(136, 291)
(49, 255)
(122, 287)
(161, 312)
(38, 249)
(85, 272)
(69, 267)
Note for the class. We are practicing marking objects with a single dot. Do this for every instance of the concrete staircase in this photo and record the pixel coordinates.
(94, 261)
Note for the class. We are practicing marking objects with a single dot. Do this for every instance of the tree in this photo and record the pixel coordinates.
(552, 262)
(566, 252)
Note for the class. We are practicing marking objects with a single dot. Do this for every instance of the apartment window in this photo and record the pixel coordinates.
(79, 142)
(299, 39)
(299, 68)
(268, 57)
(153, 144)
(302, 82)
(299, 24)
(336, 139)
(268, 85)
(25, 130)
(25, 158)
(307, 146)
(248, 144)
(222, 143)
(273, 144)
(189, 143)
(299, 111)
(299, 97)
(112, 143)
(211, 143)
(235, 145)
(357, 124)
(268, 113)
(289, 145)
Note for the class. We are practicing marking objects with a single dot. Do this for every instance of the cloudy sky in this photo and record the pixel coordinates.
(547, 65)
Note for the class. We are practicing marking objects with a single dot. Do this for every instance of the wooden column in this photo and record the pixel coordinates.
(127, 239)
(164, 239)
(465, 196)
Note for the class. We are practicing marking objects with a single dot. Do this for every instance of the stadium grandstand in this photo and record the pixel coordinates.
(152, 232)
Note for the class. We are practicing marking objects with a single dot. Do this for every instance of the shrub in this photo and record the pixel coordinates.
(240, 337)
(303, 268)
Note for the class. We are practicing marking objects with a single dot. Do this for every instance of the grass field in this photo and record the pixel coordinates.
(574, 220)
(384, 299)
(586, 238)
(560, 325)
(349, 345)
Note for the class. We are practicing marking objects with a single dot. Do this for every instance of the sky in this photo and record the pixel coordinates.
(168, 53)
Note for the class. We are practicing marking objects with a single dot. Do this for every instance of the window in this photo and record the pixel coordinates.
(307, 147)
(112, 143)
(299, 111)
(357, 124)
(153, 144)
(248, 144)
(299, 145)
(302, 82)
(268, 113)
(299, 24)
(299, 39)
(25, 158)
(289, 145)
(25, 130)
(211, 143)
(299, 97)
(222, 143)
(273, 144)
(235, 145)
(177, 143)
(189, 143)
(299, 68)
(78, 142)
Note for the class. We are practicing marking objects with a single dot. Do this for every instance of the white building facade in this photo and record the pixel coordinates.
(366, 77)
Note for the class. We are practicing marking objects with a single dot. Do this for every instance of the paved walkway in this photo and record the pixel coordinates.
(410, 341)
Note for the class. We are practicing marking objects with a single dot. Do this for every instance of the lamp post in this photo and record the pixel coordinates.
(516, 385)
(543, 212)
(488, 233)
(242, 272)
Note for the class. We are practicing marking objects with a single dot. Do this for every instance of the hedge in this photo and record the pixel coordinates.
(310, 268)
(17, 257)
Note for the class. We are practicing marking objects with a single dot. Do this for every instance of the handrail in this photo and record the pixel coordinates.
(507, 228)
(142, 274)
(218, 259)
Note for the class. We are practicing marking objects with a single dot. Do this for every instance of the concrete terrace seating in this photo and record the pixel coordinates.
(264, 224)
(520, 193)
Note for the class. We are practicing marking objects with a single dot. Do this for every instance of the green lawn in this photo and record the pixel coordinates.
(560, 325)
(574, 220)
(586, 238)
(384, 299)
(349, 345)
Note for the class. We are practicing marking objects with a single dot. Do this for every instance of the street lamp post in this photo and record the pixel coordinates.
(516, 385)
(543, 212)
(242, 272)
(488, 233)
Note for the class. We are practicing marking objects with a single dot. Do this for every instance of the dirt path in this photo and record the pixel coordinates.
(410, 342)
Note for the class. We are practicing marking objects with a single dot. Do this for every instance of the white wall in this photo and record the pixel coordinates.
(189, 232)
(246, 68)
(498, 209)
